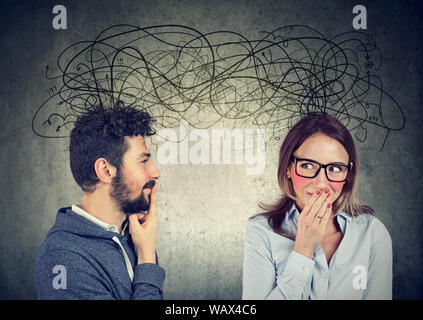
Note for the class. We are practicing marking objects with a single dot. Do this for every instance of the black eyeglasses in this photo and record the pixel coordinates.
(307, 168)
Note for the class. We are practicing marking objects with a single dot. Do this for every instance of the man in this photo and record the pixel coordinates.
(105, 248)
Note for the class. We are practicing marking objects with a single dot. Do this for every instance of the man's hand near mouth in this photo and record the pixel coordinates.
(143, 230)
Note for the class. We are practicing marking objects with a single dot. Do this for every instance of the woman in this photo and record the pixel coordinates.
(317, 242)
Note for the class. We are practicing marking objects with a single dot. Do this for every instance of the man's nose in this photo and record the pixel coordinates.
(154, 173)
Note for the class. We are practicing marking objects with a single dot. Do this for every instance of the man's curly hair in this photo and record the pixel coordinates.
(100, 133)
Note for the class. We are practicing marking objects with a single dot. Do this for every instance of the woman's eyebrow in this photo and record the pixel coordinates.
(338, 162)
(334, 162)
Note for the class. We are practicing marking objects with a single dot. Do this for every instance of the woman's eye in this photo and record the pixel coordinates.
(335, 169)
(144, 161)
(307, 166)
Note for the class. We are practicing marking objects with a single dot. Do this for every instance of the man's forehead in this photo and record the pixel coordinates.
(136, 144)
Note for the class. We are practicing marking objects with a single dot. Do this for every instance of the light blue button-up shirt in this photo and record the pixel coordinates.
(361, 267)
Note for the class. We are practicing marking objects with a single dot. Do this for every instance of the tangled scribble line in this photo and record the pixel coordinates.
(177, 73)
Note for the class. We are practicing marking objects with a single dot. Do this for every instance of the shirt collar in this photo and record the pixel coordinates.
(293, 210)
(102, 224)
(346, 216)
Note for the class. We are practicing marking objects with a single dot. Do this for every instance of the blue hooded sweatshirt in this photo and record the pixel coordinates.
(80, 260)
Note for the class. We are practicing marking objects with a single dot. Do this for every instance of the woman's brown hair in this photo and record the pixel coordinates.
(307, 126)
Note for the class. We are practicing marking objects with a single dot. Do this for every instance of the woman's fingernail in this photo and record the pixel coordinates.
(327, 190)
(329, 205)
(317, 192)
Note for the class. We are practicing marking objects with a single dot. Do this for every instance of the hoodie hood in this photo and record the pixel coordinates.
(71, 222)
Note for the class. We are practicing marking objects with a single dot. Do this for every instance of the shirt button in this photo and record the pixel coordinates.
(305, 269)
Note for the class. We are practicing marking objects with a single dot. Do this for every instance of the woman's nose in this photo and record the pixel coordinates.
(320, 181)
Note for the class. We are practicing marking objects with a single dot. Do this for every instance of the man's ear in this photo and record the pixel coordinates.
(104, 170)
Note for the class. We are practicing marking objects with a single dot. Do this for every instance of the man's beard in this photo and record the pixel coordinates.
(120, 193)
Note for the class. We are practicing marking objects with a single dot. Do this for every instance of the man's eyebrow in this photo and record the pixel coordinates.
(144, 154)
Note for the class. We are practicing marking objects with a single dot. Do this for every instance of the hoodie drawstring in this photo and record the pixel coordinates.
(127, 262)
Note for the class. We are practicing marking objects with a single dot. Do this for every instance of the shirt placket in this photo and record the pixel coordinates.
(320, 275)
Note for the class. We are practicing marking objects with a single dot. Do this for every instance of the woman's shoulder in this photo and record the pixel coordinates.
(260, 225)
(259, 222)
(373, 225)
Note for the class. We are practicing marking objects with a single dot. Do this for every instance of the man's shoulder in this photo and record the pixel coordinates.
(58, 246)
(59, 238)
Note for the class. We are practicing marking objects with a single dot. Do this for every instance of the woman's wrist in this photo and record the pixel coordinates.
(304, 251)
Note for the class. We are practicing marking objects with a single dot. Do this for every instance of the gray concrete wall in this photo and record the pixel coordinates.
(203, 209)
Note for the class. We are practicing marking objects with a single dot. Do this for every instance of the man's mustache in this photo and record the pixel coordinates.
(150, 184)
